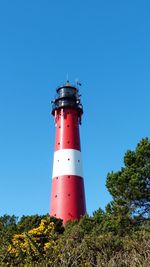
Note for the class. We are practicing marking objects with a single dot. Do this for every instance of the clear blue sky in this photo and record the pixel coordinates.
(106, 45)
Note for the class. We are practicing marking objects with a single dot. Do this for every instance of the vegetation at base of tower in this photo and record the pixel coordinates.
(118, 236)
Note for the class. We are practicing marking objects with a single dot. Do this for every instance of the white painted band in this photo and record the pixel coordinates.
(67, 162)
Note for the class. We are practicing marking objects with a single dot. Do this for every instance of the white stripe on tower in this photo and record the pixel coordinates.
(67, 162)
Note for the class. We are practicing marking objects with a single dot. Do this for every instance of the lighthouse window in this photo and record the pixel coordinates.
(55, 195)
(78, 160)
(59, 126)
(56, 177)
(68, 176)
(68, 195)
(58, 143)
(68, 125)
(68, 159)
(68, 142)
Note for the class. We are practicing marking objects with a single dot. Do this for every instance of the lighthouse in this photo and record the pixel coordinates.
(67, 196)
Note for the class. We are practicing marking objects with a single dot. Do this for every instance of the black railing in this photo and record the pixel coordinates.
(67, 96)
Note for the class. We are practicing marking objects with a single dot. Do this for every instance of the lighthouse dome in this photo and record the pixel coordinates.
(67, 96)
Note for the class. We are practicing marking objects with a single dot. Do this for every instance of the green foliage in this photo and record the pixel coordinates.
(8, 227)
(130, 187)
(8, 224)
(90, 242)
(98, 216)
(26, 223)
(36, 244)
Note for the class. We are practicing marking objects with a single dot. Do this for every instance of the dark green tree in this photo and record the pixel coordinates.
(98, 216)
(130, 187)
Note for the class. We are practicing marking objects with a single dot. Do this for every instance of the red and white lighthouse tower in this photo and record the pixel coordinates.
(67, 197)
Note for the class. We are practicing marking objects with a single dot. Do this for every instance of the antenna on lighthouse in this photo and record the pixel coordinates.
(67, 78)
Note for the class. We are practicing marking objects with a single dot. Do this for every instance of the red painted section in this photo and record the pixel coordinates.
(67, 129)
(68, 198)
